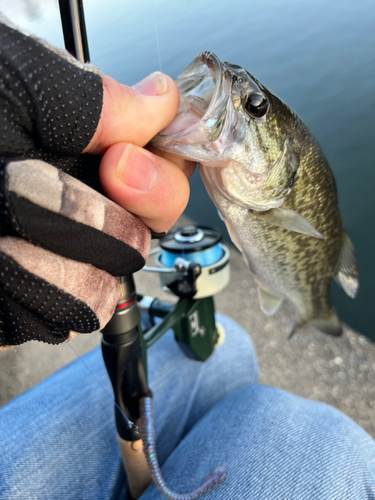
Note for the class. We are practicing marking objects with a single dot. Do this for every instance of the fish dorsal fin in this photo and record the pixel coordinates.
(327, 323)
(269, 303)
(345, 272)
(287, 218)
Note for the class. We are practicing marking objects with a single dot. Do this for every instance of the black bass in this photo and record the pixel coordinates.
(272, 185)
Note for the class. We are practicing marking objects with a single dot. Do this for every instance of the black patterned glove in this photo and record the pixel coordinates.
(62, 241)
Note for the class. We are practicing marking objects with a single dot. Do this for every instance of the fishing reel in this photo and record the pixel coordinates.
(192, 264)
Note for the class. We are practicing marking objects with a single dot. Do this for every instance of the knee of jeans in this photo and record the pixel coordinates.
(306, 428)
(276, 445)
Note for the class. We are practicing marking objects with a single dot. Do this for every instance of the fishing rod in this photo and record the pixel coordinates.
(122, 352)
(74, 29)
(193, 265)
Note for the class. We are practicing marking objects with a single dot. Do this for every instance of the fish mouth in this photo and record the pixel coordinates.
(202, 97)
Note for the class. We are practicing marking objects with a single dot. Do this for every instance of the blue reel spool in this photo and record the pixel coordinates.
(196, 244)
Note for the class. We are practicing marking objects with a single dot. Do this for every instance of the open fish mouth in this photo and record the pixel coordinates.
(213, 128)
(204, 89)
(210, 129)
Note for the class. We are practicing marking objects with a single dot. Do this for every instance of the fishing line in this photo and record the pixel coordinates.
(156, 34)
(129, 422)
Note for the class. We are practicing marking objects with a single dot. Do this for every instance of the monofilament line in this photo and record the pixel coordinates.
(129, 422)
(156, 35)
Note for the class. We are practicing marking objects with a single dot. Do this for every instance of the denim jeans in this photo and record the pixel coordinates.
(58, 440)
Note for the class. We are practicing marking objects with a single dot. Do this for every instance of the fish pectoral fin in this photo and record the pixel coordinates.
(327, 323)
(269, 303)
(287, 218)
(345, 272)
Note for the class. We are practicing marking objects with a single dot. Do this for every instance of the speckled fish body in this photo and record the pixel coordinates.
(272, 185)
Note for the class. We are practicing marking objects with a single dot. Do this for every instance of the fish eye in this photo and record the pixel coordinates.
(256, 105)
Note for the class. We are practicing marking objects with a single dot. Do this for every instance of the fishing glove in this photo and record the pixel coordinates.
(62, 242)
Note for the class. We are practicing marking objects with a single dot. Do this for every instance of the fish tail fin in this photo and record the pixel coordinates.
(327, 323)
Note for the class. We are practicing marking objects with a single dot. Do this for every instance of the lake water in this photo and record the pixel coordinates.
(318, 56)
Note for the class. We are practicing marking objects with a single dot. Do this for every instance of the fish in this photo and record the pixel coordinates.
(271, 184)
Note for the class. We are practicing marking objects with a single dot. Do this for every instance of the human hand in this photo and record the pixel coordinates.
(153, 188)
(62, 242)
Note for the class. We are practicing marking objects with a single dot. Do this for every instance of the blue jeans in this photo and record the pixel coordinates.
(58, 440)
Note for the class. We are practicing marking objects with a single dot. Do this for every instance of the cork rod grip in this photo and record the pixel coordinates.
(136, 467)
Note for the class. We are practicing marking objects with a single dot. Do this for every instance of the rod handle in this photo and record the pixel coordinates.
(136, 467)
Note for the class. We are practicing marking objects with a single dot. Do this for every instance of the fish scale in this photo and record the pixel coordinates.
(270, 181)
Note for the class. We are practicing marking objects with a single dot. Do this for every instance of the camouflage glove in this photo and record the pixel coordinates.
(61, 241)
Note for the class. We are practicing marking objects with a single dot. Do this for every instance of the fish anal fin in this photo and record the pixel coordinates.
(345, 272)
(288, 219)
(269, 303)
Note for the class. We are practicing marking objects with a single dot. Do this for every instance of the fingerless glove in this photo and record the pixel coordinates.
(62, 242)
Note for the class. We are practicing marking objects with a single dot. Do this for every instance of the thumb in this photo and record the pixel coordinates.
(152, 188)
(134, 114)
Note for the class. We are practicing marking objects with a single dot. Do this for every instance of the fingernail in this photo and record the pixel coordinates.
(153, 85)
(136, 169)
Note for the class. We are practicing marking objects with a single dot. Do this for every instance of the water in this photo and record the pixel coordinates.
(318, 56)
